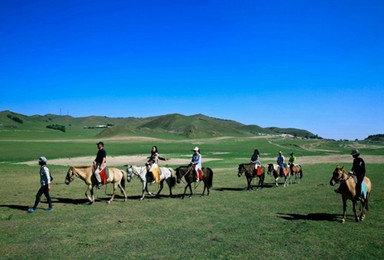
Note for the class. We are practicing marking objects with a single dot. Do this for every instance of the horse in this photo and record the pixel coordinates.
(348, 191)
(298, 173)
(189, 175)
(274, 169)
(166, 174)
(116, 176)
(248, 169)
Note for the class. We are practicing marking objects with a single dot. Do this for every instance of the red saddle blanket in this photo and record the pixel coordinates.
(103, 174)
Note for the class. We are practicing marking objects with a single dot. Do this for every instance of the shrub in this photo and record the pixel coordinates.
(57, 127)
(15, 118)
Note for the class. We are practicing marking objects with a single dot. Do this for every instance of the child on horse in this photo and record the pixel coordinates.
(153, 164)
(291, 162)
(358, 168)
(255, 160)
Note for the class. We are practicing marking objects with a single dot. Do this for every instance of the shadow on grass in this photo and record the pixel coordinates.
(18, 207)
(255, 187)
(311, 216)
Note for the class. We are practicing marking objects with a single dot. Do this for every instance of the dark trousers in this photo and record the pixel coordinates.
(360, 179)
(43, 190)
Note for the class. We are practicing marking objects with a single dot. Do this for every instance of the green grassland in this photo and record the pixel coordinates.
(300, 221)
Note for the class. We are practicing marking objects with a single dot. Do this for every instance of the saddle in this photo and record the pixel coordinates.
(257, 170)
(104, 174)
(199, 172)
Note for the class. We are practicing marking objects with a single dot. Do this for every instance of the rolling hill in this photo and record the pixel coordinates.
(172, 125)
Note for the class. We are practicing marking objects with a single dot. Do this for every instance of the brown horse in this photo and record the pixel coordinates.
(116, 176)
(248, 169)
(189, 175)
(274, 169)
(348, 191)
(297, 172)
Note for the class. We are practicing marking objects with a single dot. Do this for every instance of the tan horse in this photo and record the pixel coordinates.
(348, 191)
(116, 176)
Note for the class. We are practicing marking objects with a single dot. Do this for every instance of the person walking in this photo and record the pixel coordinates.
(99, 163)
(45, 181)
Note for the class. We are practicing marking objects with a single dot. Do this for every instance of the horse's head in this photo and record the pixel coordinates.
(240, 170)
(130, 172)
(71, 175)
(337, 175)
(270, 168)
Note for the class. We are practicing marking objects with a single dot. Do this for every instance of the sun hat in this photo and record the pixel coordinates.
(43, 159)
(100, 143)
(355, 152)
(196, 149)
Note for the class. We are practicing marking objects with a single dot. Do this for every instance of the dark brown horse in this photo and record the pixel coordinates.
(250, 173)
(189, 175)
(348, 191)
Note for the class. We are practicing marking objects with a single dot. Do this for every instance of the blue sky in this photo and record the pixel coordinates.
(315, 65)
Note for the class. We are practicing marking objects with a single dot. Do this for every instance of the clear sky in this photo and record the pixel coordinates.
(315, 65)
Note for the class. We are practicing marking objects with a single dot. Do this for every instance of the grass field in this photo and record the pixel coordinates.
(297, 222)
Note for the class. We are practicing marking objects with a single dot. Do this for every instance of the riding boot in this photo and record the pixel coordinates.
(338, 190)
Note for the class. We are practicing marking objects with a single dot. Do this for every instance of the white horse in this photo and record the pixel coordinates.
(166, 174)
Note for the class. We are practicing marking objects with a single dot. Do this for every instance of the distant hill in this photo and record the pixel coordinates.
(177, 125)
(375, 138)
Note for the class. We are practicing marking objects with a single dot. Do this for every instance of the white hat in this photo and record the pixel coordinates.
(196, 149)
(43, 159)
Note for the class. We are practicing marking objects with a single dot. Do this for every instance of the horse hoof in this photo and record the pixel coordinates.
(342, 221)
(108, 202)
(362, 218)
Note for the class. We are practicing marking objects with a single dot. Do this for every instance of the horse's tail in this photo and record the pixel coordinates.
(210, 177)
(124, 179)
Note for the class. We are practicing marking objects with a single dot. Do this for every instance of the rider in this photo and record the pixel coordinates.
(291, 161)
(153, 163)
(358, 168)
(196, 162)
(280, 162)
(99, 163)
(255, 159)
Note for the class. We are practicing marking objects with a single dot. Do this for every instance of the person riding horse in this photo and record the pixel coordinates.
(196, 163)
(280, 162)
(291, 161)
(99, 163)
(358, 169)
(255, 160)
(153, 164)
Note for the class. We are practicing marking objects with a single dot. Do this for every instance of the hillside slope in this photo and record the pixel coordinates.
(14, 125)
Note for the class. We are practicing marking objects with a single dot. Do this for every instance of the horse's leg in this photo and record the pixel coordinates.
(354, 210)
(185, 190)
(276, 179)
(123, 191)
(170, 186)
(144, 183)
(113, 194)
(344, 210)
(90, 191)
(161, 188)
(190, 189)
(205, 186)
(249, 181)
